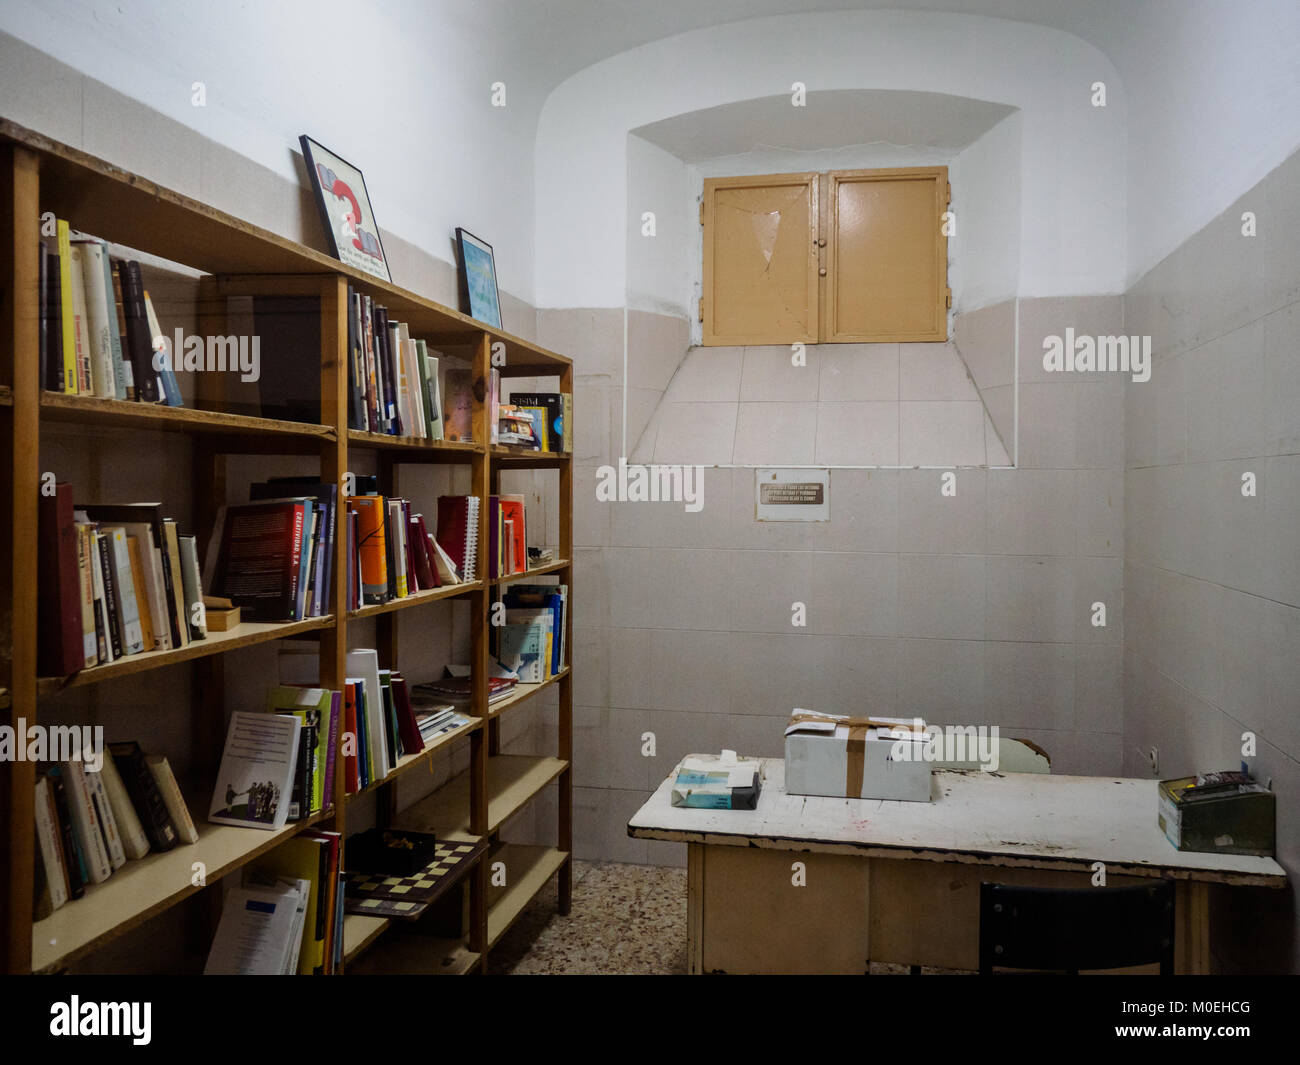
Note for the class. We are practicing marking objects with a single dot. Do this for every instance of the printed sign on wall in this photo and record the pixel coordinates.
(792, 495)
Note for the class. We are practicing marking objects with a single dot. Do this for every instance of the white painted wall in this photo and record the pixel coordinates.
(400, 89)
(986, 200)
(659, 268)
(1213, 98)
(1072, 218)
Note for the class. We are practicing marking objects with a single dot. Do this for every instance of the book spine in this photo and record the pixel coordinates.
(171, 795)
(114, 323)
(134, 840)
(100, 325)
(114, 632)
(331, 746)
(68, 319)
(126, 369)
(158, 344)
(85, 824)
(50, 849)
(192, 585)
(78, 874)
(128, 611)
(107, 822)
(81, 322)
(60, 649)
(139, 342)
(175, 585)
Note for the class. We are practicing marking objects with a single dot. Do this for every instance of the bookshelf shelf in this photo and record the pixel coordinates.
(414, 449)
(411, 761)
(520, 458)
(536, 571)
(86, 410)
(528, 868)
(409, 954)
(143, 888)
(230, 258)
(513, 780)
(246, 634)
(450, 591)
(524, 692)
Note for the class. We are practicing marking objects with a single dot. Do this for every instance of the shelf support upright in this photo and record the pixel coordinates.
(333, 467)
(564, 724)
(479, 607)
(19, 485)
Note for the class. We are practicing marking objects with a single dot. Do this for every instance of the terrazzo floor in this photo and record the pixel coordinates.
(625, 920)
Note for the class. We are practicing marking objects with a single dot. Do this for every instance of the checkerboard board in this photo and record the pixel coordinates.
(366, 891)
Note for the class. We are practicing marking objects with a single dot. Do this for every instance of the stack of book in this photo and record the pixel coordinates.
(456, 689)
(286, 915)
(113, 580)
(434, 718)
(271, 556)
(98, 331)
(391, 553)
(540, 421)
(531, 642)
(393, 379)
(91, 820)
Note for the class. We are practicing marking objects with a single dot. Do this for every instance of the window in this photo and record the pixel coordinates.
(871, 266)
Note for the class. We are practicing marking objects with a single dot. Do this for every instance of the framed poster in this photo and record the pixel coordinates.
(478, 279)
(345, 210)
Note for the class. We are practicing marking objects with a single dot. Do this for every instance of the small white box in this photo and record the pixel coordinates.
(823, 753)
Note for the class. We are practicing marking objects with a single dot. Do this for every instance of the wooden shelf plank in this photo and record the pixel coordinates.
(526, 458)
(359, 932)
(450, 591)
(528, 868)
(88, 410)
(408, 762)
(536, 571)
(143, 888)
(404, 953)
(513, 780)
(524, 692)
(243, 635)
(413, 448)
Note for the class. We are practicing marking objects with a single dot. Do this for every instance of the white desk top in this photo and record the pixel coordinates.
(1026, 819)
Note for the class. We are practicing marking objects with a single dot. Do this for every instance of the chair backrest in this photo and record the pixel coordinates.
(1069, 929)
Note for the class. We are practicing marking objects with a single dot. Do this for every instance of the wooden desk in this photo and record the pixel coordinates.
(899, 881)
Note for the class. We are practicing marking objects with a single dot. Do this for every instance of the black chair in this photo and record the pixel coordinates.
(1068, 929)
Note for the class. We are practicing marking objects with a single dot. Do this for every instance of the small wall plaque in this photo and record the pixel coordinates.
(792, 495)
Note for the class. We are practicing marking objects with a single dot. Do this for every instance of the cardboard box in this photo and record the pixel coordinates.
(1201, 814)
(857, 757)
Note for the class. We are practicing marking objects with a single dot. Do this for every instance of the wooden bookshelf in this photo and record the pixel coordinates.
(234, 257)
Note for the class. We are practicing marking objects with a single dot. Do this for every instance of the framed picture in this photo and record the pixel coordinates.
(345, 210)
(478, 278)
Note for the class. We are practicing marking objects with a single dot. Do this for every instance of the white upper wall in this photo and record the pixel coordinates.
(1213, 91)
(401, 89)
(1072, 188)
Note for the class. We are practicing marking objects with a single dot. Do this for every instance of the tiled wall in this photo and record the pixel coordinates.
(1212, 577)
(972, 609)
(844, 405)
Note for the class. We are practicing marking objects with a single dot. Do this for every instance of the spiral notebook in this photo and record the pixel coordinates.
(458, 532)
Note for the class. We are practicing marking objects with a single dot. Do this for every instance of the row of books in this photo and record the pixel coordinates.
(394, 385)
(270, 556)
(507, 535)
(90, 823)
(531, 642)
(380, 721)
(113, 581)
(391, 553)
(286, 914)
(98, 330)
